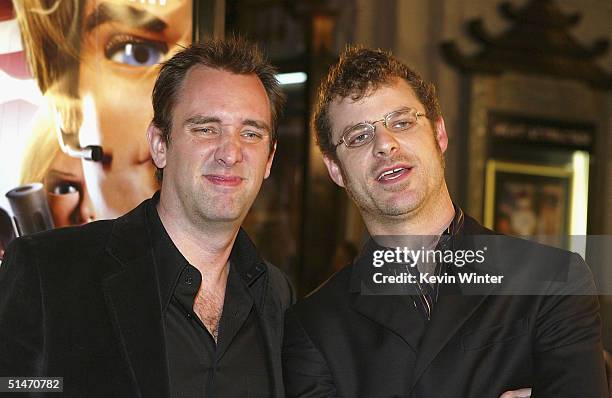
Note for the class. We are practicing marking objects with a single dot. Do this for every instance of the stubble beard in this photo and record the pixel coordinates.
(378, 208)
(383, 210)
(210, 208)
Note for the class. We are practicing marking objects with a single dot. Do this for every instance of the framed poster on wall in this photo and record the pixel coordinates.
(524, 199)
(534, 199)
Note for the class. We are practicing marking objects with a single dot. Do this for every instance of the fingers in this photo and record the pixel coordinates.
(522, 393)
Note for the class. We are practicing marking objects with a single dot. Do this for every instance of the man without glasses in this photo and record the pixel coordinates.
(171, 299)
(383, 138)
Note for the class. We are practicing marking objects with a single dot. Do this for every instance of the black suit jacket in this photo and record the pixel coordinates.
(83, 303)
(340, 342)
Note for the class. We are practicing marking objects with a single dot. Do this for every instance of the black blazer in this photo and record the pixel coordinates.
(340, 342)
(83, 303)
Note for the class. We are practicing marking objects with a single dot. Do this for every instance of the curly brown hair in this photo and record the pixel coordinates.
(357, 74)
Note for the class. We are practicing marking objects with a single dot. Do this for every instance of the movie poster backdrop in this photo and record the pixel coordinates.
(76, 76)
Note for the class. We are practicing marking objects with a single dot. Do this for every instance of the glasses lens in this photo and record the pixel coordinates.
(401, 120)
(359, 135)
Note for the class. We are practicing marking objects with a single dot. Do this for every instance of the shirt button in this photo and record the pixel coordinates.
(189, 280)
(188, 315)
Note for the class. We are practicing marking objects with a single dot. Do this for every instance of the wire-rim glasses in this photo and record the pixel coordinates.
(363, 133)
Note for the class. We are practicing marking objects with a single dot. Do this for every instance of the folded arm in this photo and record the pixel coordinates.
(568, 350)
(305, 369)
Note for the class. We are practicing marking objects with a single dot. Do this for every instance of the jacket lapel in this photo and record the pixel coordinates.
(390, 313)
(133, 300)
(376, 304)
(456, 303)
(449, 314)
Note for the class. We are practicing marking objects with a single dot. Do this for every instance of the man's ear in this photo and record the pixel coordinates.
(334, 170)
(441, 136)
(157, 146)
(270, 160)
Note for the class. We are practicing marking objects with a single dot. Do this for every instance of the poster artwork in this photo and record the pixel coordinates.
(76, 75)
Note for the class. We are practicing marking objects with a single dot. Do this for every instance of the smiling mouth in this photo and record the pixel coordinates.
(393, 174)
(230, 181)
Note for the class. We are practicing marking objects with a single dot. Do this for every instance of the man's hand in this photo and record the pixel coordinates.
(522, 393)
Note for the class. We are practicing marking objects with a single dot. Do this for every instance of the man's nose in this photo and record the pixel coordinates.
(229, 151)
(385, 142)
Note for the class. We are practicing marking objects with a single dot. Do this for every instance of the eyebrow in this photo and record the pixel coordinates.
(199, 119)
(350, 126)
(60, 173)
(257, 124)
(134, 17)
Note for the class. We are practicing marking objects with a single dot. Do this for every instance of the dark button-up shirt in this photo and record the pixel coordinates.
(235, 366)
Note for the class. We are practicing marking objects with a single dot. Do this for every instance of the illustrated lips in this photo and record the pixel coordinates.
(392, 174)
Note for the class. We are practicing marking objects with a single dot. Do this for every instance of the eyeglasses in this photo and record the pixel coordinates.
(363, 133)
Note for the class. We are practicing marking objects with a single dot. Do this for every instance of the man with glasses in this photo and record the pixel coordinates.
(383, 137)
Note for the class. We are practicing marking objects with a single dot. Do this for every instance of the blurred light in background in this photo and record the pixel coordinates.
(291, 78)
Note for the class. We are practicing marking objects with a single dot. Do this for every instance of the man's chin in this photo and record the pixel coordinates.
(222, 213)
(398, 187)
(225, 218)
(399, 208)
(396, 212)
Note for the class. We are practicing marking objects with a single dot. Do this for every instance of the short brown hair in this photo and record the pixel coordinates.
(358, 73)
(234, 55)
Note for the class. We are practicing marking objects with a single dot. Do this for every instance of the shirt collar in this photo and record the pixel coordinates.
(456, 224)
(454, 228)
(363, 261)
(169, 261)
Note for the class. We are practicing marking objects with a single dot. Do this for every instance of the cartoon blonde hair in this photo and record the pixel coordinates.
(42, 148)
(51, 36)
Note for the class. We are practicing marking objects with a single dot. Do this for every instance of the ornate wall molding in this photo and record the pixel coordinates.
(538, 42)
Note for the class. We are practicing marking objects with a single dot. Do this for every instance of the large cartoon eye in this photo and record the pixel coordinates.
(133, 51)
(64, 188)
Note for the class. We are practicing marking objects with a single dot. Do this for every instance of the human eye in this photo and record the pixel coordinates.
(206, 131)
(359, 139)
(402, 124)
(135, 51)
(401, 120)
(252, 135)
(359, 135)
